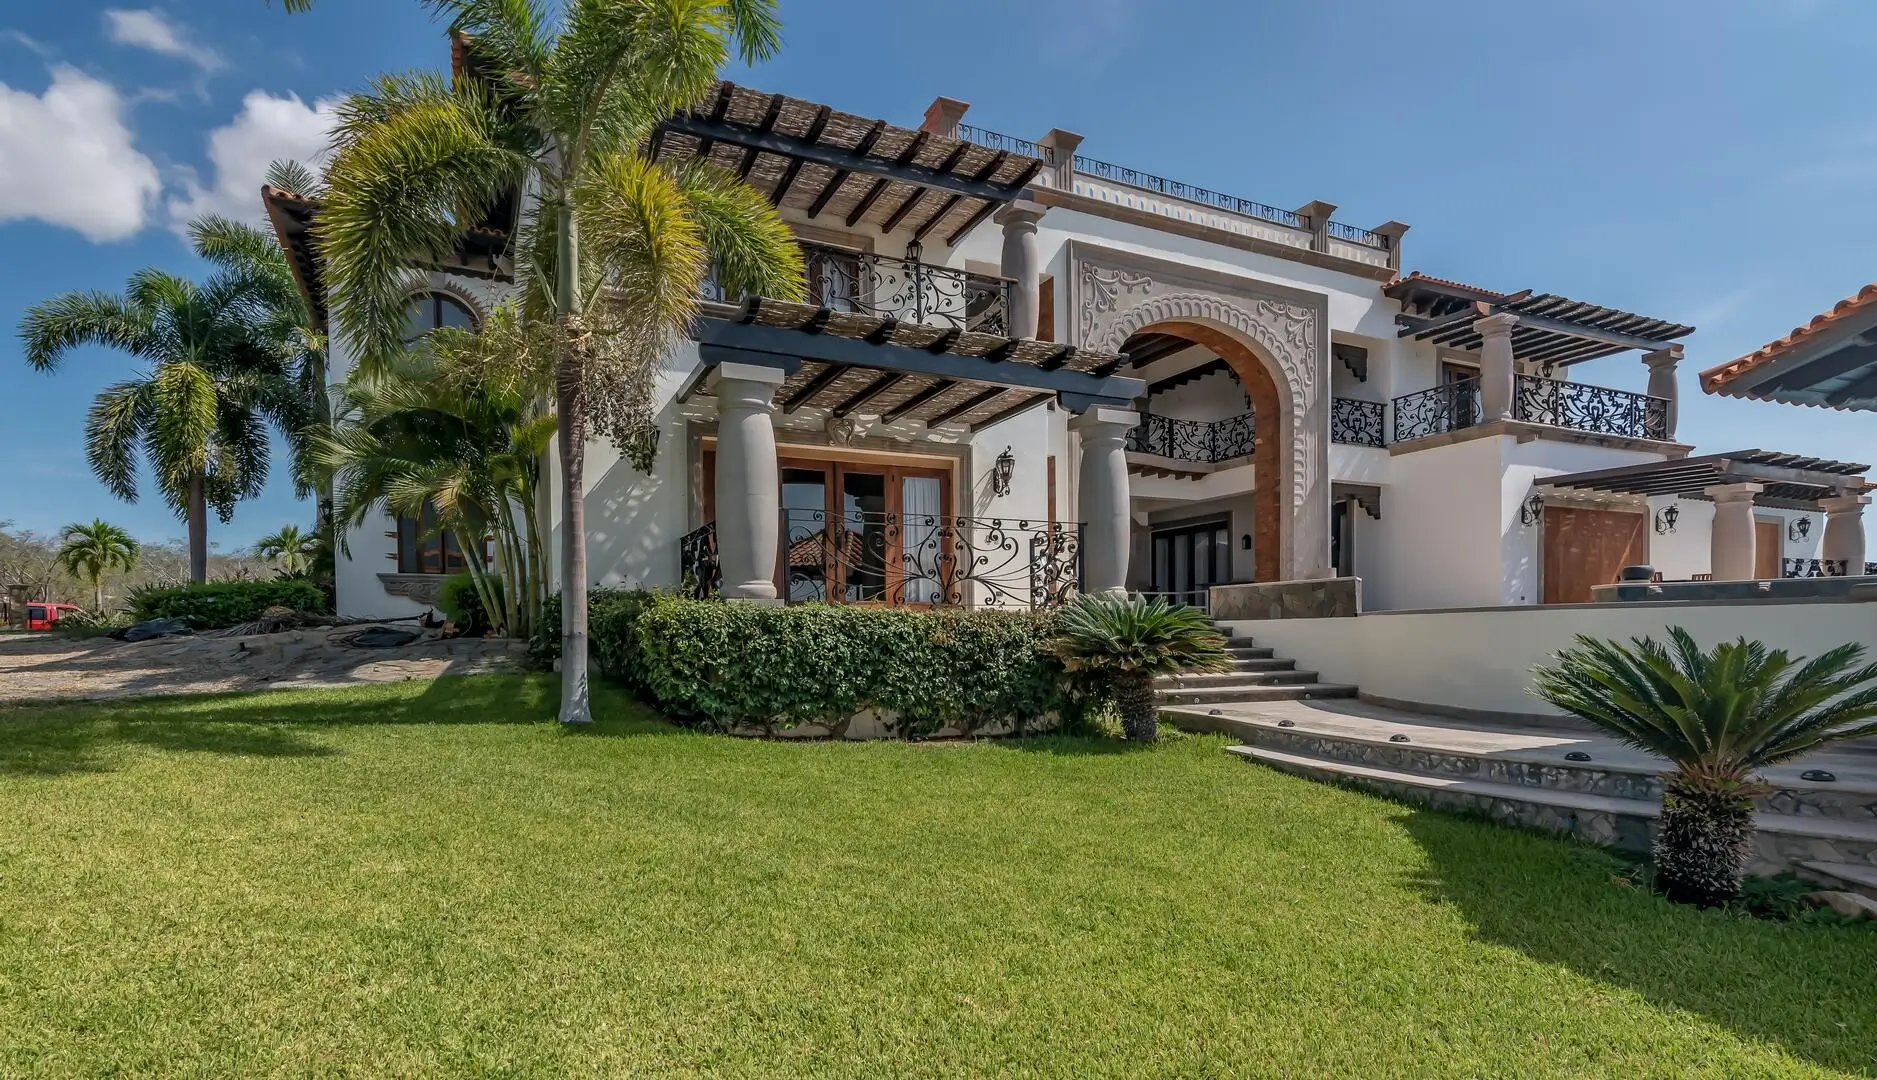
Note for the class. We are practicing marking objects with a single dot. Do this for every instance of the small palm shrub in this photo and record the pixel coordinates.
(1125, 642)
(218, 604)
(1718, 716)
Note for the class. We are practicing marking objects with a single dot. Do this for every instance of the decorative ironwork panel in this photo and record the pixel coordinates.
(997, 140)
(1814, 568)
(1356, 236)
(929, 560)
(1358, 423)
(1582, 407)
(903, 289)
(1193, 440)
(1447, 407)
(1121, 174)
(698, 570)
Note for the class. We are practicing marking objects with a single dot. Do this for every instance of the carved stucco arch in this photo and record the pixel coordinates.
(1285, 330)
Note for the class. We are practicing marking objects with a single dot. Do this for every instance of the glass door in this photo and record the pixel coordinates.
(1189, 561)
(807, 540)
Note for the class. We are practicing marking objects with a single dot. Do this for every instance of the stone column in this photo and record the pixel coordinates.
(1060, 146)
(1495, 365)
(1731, 543)
(1102, 497)
(1844, 531)
(1022, 266)
(749, 491)
(1662, 382)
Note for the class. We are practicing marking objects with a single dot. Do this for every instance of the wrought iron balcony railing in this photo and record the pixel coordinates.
(1447, 407)
(1356, 235)
(997, 140)
(899, 288)
(1812, 568)
(928, 560)
(1121, 174)
(1582, 407)
(1358, 423)
(1194, 440)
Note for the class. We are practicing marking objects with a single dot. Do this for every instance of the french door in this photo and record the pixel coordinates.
(865, 533)
(1189, 561)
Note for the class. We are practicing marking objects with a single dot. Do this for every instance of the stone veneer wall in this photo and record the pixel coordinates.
(1326, 598)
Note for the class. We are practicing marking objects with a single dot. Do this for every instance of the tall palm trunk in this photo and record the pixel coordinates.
(97, 594)
(572, 433)
(1703, 843)
(1134, 700)
(198, 522)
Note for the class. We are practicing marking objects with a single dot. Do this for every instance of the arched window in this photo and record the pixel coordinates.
(431, 310)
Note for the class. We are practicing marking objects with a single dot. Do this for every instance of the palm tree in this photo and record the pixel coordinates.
(459, 427)
(292, 549)
(1127, 641)
(1718, 717)
(88, 551)
(200, 413)
(613, 246)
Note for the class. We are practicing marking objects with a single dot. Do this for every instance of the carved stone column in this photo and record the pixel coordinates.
(1102, 497)
(749, 491)
(1022, 266)
(1731, 554)
(1662, 382)
(1495, 365)
(1844, 531)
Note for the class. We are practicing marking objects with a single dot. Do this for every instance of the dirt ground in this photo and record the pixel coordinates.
(47, 667)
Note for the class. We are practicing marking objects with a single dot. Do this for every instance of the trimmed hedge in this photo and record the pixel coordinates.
(723, 666)
(218, 604)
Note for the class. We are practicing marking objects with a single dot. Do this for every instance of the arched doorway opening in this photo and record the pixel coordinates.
(1173, 353)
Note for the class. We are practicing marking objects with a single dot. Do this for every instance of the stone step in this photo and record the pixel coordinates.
(1437, 751)
(1210, 680)
(1227, 695)
(1262, 663)
(1782, 842)
(1245, 650)
(1846, 876)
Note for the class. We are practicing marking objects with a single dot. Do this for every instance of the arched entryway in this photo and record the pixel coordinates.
(1253, 372)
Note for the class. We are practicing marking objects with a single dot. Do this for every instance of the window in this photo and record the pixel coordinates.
(430, 311)
(425, 549)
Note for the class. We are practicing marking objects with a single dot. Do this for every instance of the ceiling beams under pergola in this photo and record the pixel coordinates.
(1552, 331)
(1790, 480)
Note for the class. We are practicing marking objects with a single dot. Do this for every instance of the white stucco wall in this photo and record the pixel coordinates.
(1481, 660)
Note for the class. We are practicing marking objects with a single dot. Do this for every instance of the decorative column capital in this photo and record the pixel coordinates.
(1496, 326)
(1105, 422)
(745, 386)
(1724, 494)
(1020, 215)
(1663, 358)
(1839, 505)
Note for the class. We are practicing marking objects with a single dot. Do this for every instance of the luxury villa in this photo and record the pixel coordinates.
(1023, 370)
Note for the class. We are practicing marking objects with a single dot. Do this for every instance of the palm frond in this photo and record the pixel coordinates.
(52, 328)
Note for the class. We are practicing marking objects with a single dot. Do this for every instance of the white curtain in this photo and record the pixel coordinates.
(923, 537)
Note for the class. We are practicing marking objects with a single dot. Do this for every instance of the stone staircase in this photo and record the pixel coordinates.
(1605, 794)
(1256, 675)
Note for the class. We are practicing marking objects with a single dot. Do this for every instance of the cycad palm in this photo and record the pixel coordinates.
(292, 549)
(90, 551)
(610, 254)
(1719, 717)
(218, 376)
(1130, 640)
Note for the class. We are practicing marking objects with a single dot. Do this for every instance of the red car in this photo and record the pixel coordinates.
(47, 616)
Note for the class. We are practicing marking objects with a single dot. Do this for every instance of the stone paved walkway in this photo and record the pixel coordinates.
(46, 667)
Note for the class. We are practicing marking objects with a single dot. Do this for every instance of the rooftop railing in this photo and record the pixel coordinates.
(1365, 237)
(997, 140)
(1121, 174)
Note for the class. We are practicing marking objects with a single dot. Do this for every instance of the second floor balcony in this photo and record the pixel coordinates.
(1596, 410)
(905, 289)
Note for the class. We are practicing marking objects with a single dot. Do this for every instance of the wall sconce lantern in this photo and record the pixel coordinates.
(1532, 510)
(914, 251)
(1001, 472)
(1666, 518)
(1799, 529)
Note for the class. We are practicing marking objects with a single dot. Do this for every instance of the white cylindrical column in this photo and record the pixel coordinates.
(1022, 266)
(1662, 382)
(749, 491)
(1495, 365)
(1731, 555)
(1102, 497)
(1844, 532)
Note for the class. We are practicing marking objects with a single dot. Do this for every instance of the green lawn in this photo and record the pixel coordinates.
(432, 880)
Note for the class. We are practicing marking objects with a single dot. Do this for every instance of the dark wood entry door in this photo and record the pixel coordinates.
(1767, 540)
(1584, 548)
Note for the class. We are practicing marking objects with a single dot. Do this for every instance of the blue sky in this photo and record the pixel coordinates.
(1711, 162)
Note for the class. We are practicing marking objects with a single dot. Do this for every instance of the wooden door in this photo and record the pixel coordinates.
(1584, 548)
(1767, 540)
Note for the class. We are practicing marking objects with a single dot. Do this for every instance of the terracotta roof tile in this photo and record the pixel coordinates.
(1716, 377)
(1410, 278)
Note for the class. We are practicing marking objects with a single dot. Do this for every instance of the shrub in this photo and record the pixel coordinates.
(218, 604)
(723, 666)
(462, 604)
(84, 624)
(611, 614)
(1126, 641)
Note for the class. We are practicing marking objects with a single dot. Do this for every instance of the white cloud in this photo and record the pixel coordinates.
(152, 30)
(267, 129)
(66, 158)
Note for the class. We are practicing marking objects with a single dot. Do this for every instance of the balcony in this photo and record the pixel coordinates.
(1197, 441)
(1817, 568)
(904, 289)
(1597, 410)
(1358, 423)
